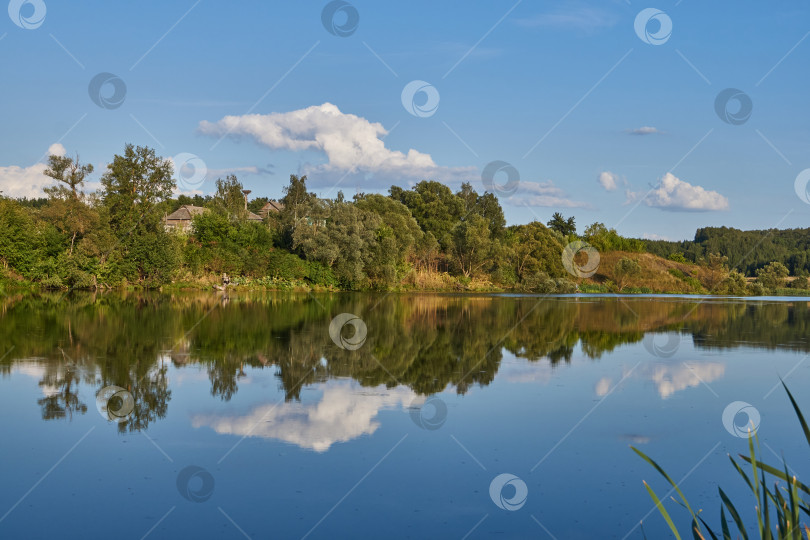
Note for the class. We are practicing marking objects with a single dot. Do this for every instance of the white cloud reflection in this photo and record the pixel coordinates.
(670, 378)
(345, 411)
(36, 371)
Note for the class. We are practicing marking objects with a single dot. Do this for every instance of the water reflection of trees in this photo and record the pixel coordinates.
(424, 342)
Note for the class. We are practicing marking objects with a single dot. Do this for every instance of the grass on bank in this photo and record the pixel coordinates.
(652, 275)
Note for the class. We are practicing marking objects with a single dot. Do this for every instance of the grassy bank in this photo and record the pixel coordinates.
(650, 274)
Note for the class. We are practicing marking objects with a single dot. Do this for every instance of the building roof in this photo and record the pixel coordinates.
(186, 212)
(271, 206)
(253, 217)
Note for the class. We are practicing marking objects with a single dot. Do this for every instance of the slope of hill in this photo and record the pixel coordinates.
(656, 274)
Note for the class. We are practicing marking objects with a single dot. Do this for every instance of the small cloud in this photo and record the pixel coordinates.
(674, 194)
(608, 180)
(645, 130)
(240, 171)
(543, 194)
(581, 17)
(56, 149)
(653, 236)
(218, 173)
(176, 192)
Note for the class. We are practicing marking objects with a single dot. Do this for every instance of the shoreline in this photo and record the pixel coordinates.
(186, 287)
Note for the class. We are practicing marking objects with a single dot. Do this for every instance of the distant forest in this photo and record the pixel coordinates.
(747, 251)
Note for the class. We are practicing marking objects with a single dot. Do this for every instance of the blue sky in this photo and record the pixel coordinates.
(565, 92)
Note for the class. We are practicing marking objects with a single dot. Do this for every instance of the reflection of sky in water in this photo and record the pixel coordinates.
(37, 371)
(670, 378)
(336, 440)
(344, 411)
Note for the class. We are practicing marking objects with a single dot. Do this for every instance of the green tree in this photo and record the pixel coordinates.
(486, 206)
(562, 225)
(299, 204)
(67, 208)
(536, 248)
(68, 171)
(18, 238)
(399, 220)
(773, 275)
(734, 284)
(434, 206)
(134, 186)
(346, 242)
(136, 182)
(297, 200)
(604, 239)
(229, 197)
(471, 246)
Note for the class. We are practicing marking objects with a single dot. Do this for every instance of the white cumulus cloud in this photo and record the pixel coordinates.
(29, 181)
(608, 180)
(351, 144)
(672, 193)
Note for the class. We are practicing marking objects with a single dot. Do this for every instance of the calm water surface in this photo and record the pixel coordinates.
(200, 415)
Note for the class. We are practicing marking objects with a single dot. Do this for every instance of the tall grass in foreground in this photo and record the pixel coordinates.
(778, 510)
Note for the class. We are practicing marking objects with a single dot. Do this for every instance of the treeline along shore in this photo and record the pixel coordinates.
(133, 232)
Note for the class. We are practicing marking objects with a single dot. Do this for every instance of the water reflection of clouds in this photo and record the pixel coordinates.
(36, 371)
(345, 411)
(670, 378)
(525, 372)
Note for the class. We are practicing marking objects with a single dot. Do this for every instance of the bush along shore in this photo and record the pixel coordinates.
(136, 232)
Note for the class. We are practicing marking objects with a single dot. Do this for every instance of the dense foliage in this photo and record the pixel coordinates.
(427, 236)
(117, 235)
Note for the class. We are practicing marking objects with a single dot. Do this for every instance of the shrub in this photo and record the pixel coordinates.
(734, 284)
(677, 273)
(624, 270)
(539, 282)
(320, 274)
(756, 289)
(773, 275)
(563, 286)
(799, 283)
(51, 282)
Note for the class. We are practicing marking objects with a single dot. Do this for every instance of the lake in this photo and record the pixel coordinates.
(288, 415)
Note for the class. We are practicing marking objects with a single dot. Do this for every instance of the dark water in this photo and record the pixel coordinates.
(420, 416)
